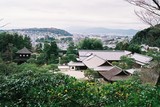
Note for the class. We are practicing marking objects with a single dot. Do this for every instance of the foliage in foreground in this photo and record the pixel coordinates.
(57, 90)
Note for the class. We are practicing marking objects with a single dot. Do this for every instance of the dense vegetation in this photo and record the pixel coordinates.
(71, 54)
(30, 87)
(90, 44)
(11, 43)
(149, 36)
(125, 63)
(128, 46)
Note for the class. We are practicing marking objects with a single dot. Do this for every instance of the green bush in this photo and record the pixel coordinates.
(91, 74)
(8, 69)
(34, 89)
(31, 60)
(32, 67)
(131, 94)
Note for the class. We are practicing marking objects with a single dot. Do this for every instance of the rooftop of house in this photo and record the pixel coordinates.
(104, 54)
(24, 51)
(119, 77)
(103, 68)
(141, 58)
(93, 61)
(71, 63)
(113, 74)
(131, 71)
(112, 55)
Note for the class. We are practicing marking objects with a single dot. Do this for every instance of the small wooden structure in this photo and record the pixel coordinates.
(23, 55)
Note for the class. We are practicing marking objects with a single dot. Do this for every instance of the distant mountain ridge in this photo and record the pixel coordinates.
(130, 32)
(42, 30)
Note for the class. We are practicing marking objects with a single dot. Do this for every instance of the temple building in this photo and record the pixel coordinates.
(101, 61)
(23, 55)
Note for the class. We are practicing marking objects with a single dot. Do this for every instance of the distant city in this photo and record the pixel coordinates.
(109, 39)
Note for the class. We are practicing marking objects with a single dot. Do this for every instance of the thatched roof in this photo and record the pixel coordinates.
(24, 51)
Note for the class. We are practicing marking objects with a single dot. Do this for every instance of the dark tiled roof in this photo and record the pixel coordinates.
(112, 74)
(119, 77)
(24, 51)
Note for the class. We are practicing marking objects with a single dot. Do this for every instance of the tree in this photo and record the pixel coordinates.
(27, 42)
(125, 63)
(38, 48)
(8, 69)
(41, 59)
(70, 55)
(51, 52)
(122, 46)
(71, 48)
(91, 74)
(10, 43)
(92, 44)
(31, 60)
(46, 51)
(150, 12)
(149, 36)
(54, 48)
(64, 60)
(134, 48)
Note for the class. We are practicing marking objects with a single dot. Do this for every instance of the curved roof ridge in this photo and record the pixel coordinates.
(24, 51)
(104, 50)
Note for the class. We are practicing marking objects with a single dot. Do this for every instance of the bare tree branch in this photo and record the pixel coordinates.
(153, 4)
(1, 26)
(150, 12)
(148, 18)
(157, 3)
(4, 25)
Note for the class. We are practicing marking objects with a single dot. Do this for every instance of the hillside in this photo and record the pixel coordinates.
(104, 31)
(44, 31)
(149, 36)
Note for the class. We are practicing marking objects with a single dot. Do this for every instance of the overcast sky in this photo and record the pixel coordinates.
(69, 14)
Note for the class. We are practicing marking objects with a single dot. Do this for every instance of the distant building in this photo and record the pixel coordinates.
(147, 48)
(23, 55)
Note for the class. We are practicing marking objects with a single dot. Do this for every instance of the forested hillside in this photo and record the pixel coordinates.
(149, 36)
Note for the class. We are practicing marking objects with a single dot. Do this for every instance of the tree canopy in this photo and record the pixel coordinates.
(10, 43)
(70, 55)
(90, 44)
(149, 36)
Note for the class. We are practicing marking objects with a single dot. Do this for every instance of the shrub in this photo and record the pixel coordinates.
(8, 69)
(34, 89)
(91, 74)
